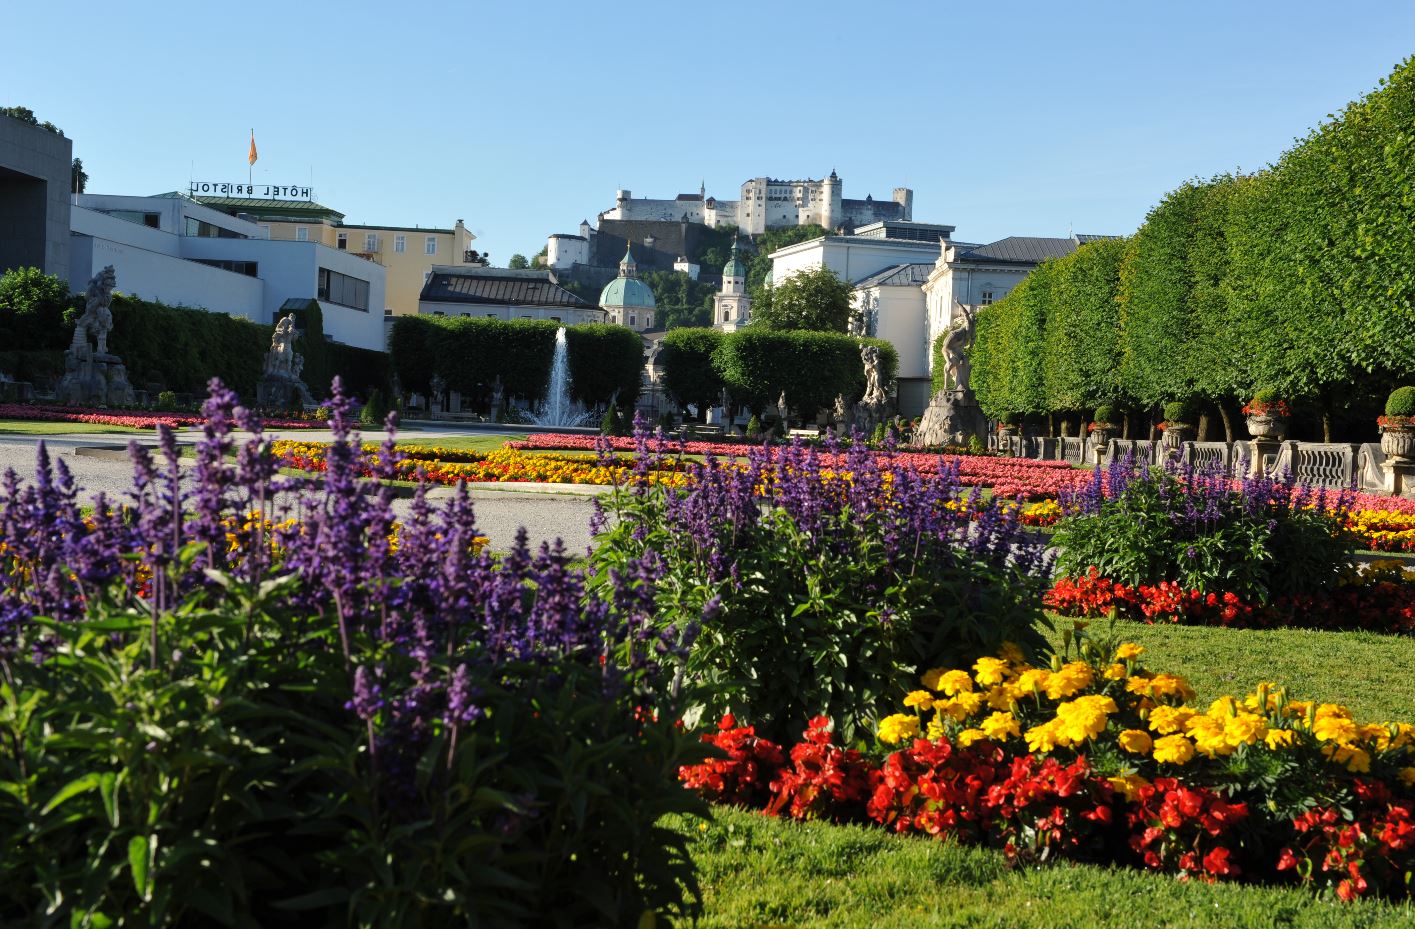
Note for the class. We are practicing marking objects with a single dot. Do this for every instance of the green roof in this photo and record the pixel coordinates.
(271, 209)
(626, 291)
(734, 266)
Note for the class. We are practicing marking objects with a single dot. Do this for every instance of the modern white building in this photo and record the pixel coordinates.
(500, 293)
(174, 250)
(768, 203)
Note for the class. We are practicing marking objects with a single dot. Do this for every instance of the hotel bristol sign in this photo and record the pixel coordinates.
(221, 189)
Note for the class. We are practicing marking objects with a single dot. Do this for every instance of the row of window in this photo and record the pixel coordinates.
(371, 243)
(343, 289)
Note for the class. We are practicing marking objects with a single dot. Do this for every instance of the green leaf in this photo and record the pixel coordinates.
(75, 787)
(141, 851)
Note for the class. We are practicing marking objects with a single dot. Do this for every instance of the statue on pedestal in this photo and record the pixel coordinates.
(91, 374)
(280, 386)
(783, 413)
(953, 416)
(871, 409)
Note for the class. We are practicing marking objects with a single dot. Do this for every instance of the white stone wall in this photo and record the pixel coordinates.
(566, 251)
(901, 319)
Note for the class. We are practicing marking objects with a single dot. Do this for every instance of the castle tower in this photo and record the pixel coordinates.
(731, 306)
(832, 212)
(905, 198)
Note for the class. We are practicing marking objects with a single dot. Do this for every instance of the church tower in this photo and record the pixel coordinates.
(731, 306)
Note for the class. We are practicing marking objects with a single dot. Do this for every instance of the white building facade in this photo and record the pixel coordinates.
(178, 252)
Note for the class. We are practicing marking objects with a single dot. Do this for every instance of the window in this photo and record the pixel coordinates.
(342, 289)
(370, 242)
(387, 311)
(492, 316)
(248, 268)
(726, 316)
(302, 234)
(633, 320)
(430, 247)
(343, 242)
(986, 298)
(400, 243)
(555, 319)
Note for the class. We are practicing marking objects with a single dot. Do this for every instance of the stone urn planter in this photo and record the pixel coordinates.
(1398, 441)
(1175, 435)
(1267, 426)
(1101, 435)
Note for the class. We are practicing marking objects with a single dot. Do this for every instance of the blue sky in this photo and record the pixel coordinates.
(1016, 118)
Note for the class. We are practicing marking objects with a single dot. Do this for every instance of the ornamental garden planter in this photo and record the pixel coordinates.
(1398, 441)
(1267, 426)
(1175, 435)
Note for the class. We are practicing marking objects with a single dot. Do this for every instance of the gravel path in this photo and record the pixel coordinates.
(499, 512)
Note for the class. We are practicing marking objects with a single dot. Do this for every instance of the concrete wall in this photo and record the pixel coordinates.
(35, 181)
(172, 213)
(154, 275)
(850, 258)
(902, 320)
(963, 282)
(566, 251)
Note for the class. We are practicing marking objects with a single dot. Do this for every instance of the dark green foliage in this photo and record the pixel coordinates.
(1008, 348)
(754, 426)
(1179, 411)
(938, 379)
(812, 368)
(813, 300)
(375, 409)
(1106, 414)
(713, 247)
(1266, 396)
(686, 359)
(166, 401)
(32, 306)
(470, 353)
(1401, 402)
(182, 348)
(679, 300)
(518, 262)
(610, 424)
(605, 362)
(1082, 353)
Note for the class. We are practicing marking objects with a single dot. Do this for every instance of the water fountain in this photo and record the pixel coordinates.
(558, 409)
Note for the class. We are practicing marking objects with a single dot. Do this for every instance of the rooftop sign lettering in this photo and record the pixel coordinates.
(274, 192)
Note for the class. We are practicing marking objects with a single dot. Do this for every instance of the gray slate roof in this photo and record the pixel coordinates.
(1018, 249)
(499, 287)
(904, 275)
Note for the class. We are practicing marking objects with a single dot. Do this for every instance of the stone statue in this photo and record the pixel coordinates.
(874, 390)
(783, 412)
(97, 318)
(956, 343)
(498, 390)
(438, 387)
(91, 374)
(840, 413)
(280, 385)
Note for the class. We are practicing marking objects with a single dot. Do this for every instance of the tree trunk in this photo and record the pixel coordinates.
(1125, 426)
(1051, 425)
(1203, 428)
(1227, 422)
(1326, 424)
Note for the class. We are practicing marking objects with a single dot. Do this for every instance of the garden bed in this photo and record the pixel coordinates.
(144, 419)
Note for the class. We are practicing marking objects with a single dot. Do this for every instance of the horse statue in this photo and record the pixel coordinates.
(97, 318)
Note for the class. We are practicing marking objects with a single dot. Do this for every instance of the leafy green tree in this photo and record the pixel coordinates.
(25, 115)
(686, 359)
(518, 262)
(814, 300)
(680, 300)
(32, 307)
(713, 248)
(79, 179)
(811, 368)
(1082, 351)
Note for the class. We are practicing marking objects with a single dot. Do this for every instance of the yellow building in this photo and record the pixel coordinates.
(406, 252)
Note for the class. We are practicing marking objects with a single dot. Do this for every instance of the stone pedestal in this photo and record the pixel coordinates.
(1099, 447)
(94, 379)
(951, 418)
(1399, 477)
(1261, 451)
(282, 392)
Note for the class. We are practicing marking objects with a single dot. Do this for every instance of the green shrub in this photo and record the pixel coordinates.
(1266, 396)
(1179, 412)
(375, 409)
(686, 360)
(605, 362)
(811, 368)
(610, 424)
(1258, 541)
(754, 426)
(470, 353)
(166, 401)
(1106, 414)
(1401, 402)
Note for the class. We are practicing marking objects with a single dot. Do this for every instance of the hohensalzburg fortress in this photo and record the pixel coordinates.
(768, 203)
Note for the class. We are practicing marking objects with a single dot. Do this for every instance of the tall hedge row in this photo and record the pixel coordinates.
(470, 353)
(758, 365)
(1300, 277)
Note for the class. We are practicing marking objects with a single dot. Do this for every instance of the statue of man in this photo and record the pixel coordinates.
(97, 317)
(956, 343)
(874, 390)
(783, 411)
(280, 359)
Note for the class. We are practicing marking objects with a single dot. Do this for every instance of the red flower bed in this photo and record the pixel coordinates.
(54, 414)
(1375, 604)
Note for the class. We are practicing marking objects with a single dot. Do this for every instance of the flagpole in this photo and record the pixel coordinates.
(250, 166)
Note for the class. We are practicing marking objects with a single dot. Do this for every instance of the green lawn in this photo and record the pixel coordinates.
(756, 871)
(469, 443)
(33, 427)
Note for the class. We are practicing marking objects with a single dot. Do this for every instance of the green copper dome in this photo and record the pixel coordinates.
(626, 291)
(734, 266)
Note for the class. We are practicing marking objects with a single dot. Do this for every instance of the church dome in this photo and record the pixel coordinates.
(626, 291)
(734, 267)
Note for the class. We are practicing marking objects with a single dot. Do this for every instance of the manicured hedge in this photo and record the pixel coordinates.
(688, 372)
(812, 368)
(1301, 276)
(470, 353)
(182, 348)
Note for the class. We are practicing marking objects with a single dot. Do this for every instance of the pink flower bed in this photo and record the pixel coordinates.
(49, 414)
(1008, 477)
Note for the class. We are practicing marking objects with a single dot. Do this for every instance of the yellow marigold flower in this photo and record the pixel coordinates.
(1128, 651)
(1136, 741)
(1070, 680)
(1297, 708)
(1042, 738)
(999, 726)
(1173, 749)
(931, 677)
(1357, 760)
(1404, 735)
(1374, 732)
(1223, 706)
(1115, 672)
(970, 703)
(1168, 719)
(969, 736)
(1332, 728)
(989, 671)
(1010, 651)
(1140, 684)
(1244, 729)
(1003, 697)
(1171, 685)
(935, 729)
(919, 699)
(896, 728)
(1083, 718)
(1129, 785)
(1280, 738)
(955, 682)
(1033, 680)
(1207, 733)
(1407, 776)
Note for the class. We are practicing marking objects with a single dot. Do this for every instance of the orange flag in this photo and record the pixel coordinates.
(253, 156)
